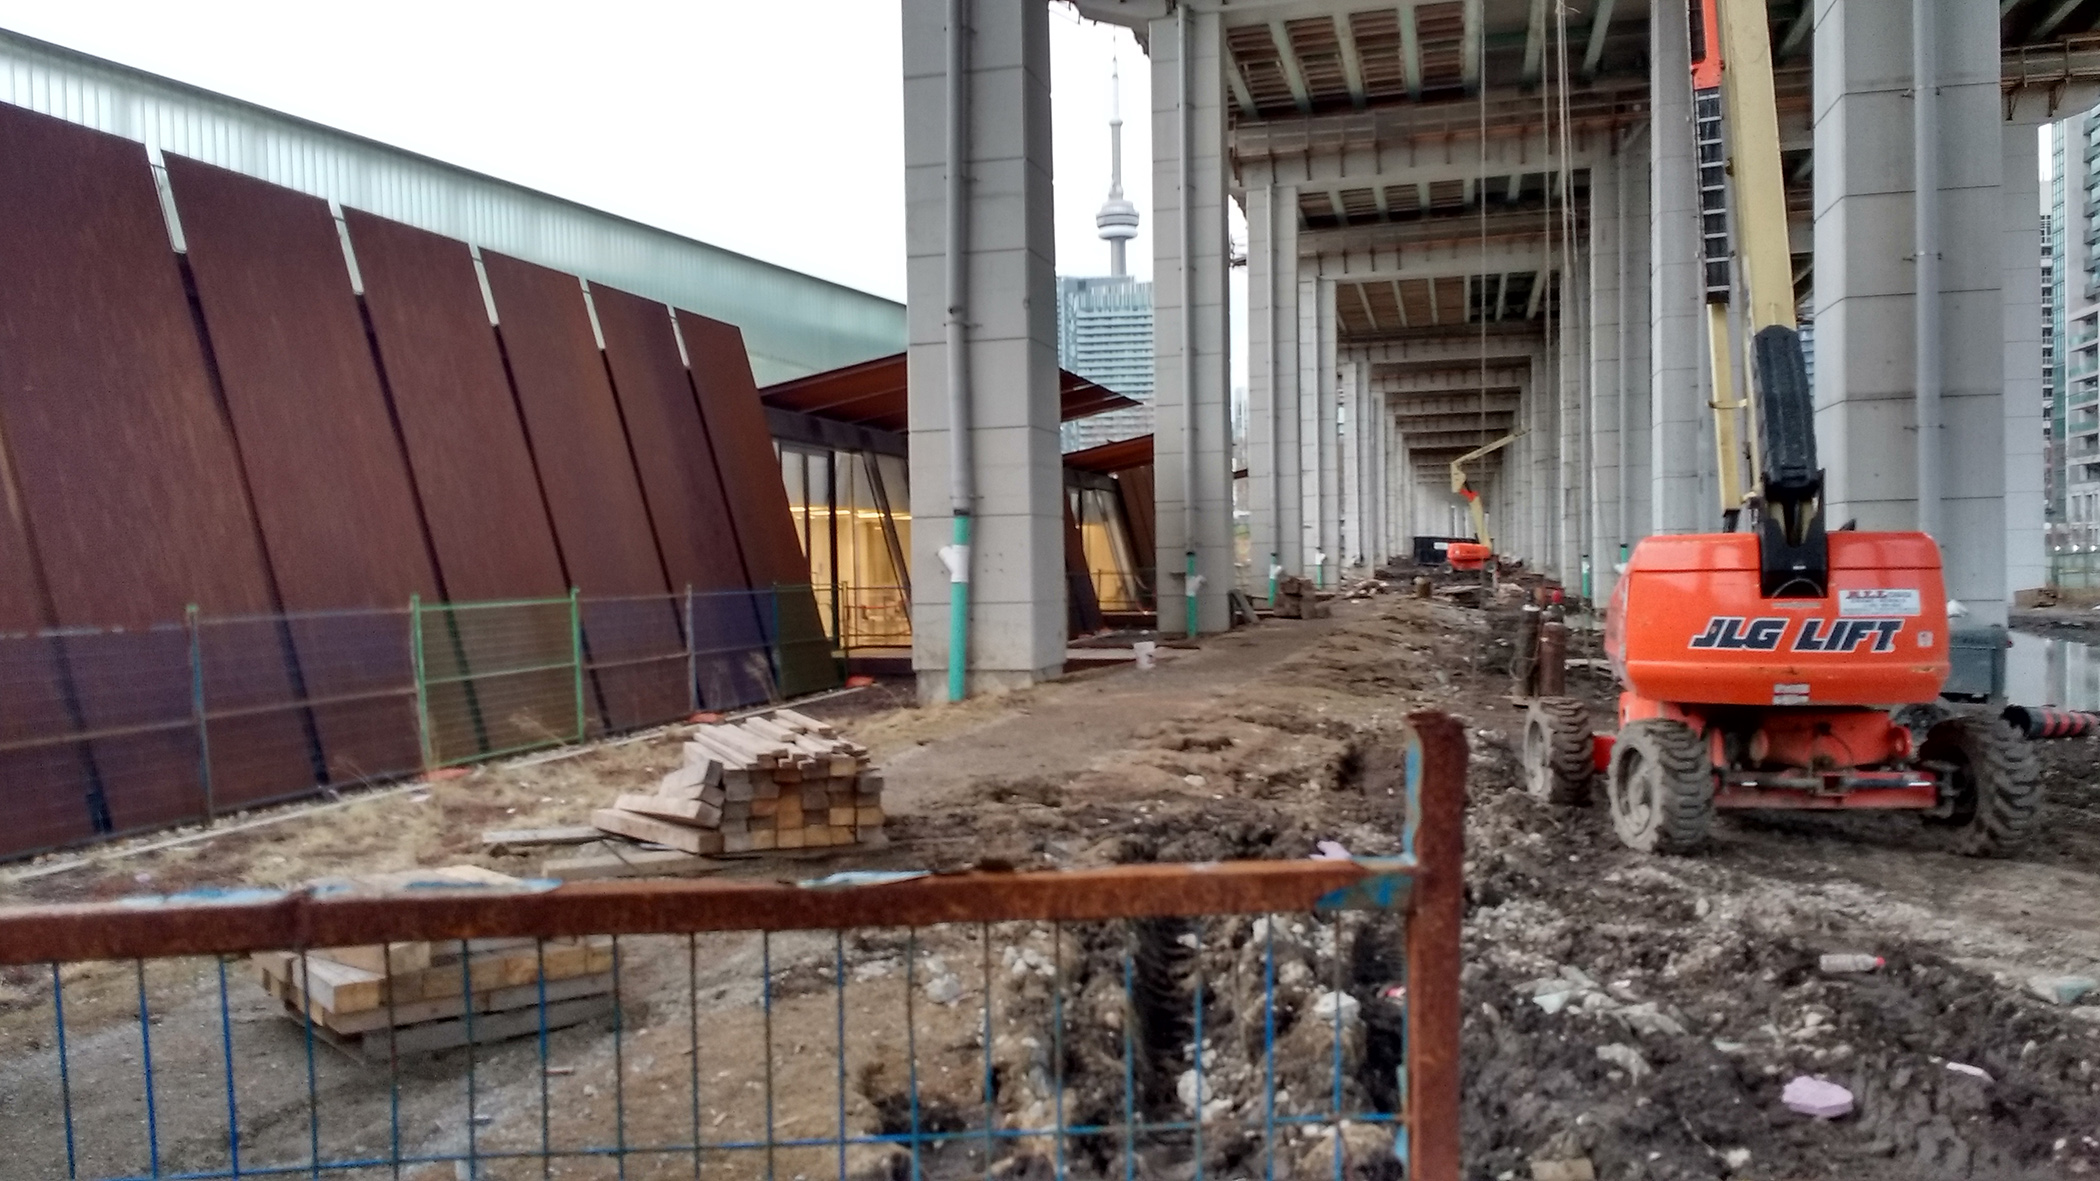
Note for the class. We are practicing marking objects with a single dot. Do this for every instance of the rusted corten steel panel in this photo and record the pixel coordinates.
(128, 474)
(325, 469)
(473, 469)
(670, 443)
(736, 423)
(43, 789)
(474, 476)
(684, 490)
(593, 494)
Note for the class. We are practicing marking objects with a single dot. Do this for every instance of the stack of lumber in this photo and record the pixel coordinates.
(775, 781)
(417, 997)
(1298, 598)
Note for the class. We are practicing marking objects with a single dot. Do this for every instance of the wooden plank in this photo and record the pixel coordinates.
(803, 721)
(339, 988)
(629, 863)
(703, 746)
(660, 832)
(688, 781)
(711, 794)
(496, 1027)
(744, 751)
(512, 838)
(397, 959)
(869, 817)
(697, 813)
(524, 996)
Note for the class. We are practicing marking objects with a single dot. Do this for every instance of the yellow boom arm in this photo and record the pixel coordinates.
(1459, 486)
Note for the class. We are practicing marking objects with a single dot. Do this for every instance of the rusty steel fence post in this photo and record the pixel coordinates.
(1437, 910)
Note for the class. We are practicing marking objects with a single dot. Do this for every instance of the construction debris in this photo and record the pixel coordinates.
(779, 780)
(1817, 1097)
(1298, 598)
(417, 997)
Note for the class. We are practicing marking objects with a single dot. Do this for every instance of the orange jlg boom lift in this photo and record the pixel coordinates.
(1776, 664)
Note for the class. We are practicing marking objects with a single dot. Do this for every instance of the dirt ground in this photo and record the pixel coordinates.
(1695, 976)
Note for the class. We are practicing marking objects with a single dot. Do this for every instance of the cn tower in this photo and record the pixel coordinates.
(1118, 219)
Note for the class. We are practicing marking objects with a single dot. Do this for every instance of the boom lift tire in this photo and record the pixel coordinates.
(1558, 751)
(1997, 787)
(1661, 786)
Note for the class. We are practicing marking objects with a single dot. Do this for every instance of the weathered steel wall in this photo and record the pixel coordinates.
(743, 446)
(678, 469)
(324, 466)
(43, 787)
(593, 495)
(473, 469)
(127, 470)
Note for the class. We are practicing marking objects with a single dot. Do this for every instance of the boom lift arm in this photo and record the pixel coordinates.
(1732, 70)
(1459, 485)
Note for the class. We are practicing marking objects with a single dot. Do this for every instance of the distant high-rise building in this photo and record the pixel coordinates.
(2072, 367)
(1104, 323)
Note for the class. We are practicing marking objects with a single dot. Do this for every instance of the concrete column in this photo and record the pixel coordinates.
(1635, 450)
(1677, 410)
(1569, 486)
(1309, 502)
(1193, 415)
(1345, 457)
(1327, 422)
(1866, 415)
(2026, 552)
(1542, 402)
(1017, 591)
(1272, 381)
(1290, 387)
(1609, 521)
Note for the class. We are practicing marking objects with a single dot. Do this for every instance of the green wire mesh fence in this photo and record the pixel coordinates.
(111, 731)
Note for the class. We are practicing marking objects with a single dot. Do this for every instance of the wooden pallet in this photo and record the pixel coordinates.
(349, 992)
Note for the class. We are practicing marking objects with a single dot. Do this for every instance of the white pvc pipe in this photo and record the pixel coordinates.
(1925, 176)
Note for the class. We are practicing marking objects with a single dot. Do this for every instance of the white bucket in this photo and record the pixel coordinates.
(1145, 650)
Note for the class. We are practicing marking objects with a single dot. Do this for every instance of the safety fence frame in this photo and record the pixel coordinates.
(1421, 888)
(185, 722)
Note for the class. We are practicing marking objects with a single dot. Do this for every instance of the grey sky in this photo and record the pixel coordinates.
(772, 129)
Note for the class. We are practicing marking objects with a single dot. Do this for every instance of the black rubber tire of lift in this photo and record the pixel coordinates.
(1558, 751)
(1661, 765)
(1998, 789)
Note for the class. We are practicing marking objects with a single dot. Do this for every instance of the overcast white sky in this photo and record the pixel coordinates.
(774, 129)
(771, 129)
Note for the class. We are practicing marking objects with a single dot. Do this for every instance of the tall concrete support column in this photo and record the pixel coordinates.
(1867, 414)
(1542, 402)
(1273, 461)
(1609, 520)
(1677, 409)
(1348, 455)
(1309, 502)
(1570, 486)
(2026, 553)
(1017, 585)
(1637, 376)
(1328, 425)
(1192, 432)
(1380, 425)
